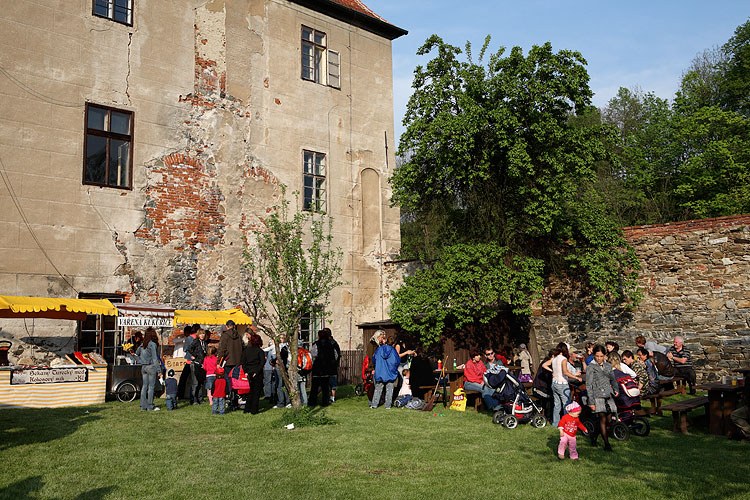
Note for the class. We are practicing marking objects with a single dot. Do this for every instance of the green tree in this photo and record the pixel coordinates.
(292, 267)
(714, 177)
(735, 84)
(494, 156)
(469, 283)
(646, 157)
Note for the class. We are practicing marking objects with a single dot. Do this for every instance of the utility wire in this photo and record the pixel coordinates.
(16, 202)
(37, 94)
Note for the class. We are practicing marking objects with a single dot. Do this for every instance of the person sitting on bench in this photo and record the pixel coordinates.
(474, 380)
(679, 355)
(651, 385)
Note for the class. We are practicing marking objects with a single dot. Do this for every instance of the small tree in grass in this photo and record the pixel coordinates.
(292, 267)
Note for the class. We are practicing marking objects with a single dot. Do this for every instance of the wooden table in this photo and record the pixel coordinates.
(455, 379)
(722, 401)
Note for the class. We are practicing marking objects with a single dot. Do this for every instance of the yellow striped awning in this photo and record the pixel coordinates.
(56, 308)
(182, 316)
(54, 395)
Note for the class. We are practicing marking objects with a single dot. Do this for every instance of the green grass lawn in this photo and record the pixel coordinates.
(116, 451)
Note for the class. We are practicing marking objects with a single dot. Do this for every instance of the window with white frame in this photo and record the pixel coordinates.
(319, 64)
(314, 181)
(119, 11)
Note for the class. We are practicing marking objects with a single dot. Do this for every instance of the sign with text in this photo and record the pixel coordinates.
(48, 376)
(145, 321)
(176, 364)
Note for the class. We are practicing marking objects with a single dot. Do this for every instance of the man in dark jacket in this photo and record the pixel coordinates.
(230, 349)
(325, 361)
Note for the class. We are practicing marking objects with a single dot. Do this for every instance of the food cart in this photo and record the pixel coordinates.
(88, 383)
(124, 379)
(60, 386)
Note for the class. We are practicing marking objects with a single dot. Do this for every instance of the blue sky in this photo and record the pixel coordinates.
(626, 44)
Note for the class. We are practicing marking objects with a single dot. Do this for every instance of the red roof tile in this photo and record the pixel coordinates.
(359, 7)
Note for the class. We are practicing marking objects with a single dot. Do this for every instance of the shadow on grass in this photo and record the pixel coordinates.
(698, 465)
(31, 487)
(31, 426)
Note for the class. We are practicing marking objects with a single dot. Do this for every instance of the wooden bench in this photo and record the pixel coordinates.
(677, 382)
(477, 398)
(654, 400)
(680, 410)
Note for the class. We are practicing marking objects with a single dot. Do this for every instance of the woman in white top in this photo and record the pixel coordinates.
(558, 365)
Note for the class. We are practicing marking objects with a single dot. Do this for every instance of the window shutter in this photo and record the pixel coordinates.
(334, 69)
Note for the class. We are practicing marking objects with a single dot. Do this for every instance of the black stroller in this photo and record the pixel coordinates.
(624, 418)
(516, 406)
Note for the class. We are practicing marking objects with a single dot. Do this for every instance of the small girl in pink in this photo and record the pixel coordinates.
(569, 425)
(209, 364)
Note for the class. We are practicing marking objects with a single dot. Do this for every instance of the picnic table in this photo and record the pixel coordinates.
(722, 401)
(680, 410)
(455, 378)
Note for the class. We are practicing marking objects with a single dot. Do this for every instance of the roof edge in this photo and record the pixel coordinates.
(353, 17)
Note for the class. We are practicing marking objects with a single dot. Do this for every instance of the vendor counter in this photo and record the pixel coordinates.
(26, 387)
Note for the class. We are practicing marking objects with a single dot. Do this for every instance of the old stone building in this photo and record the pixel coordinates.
(143, 142)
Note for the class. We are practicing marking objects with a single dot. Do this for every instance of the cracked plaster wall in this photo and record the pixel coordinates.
(221, 119)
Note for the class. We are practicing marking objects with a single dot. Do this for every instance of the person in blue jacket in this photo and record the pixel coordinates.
(386, 370)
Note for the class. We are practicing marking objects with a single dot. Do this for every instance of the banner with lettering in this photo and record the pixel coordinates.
(48, 376)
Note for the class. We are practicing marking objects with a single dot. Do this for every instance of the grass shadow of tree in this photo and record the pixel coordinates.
(31, 488)
(30, 426)
(693, 466)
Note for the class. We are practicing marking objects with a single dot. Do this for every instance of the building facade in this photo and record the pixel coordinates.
(143, 142)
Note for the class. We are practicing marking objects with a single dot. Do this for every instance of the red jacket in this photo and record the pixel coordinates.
(473, 372)
(570, 425)
(220, 387)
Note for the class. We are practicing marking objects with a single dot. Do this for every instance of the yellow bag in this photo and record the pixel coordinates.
(459, 400)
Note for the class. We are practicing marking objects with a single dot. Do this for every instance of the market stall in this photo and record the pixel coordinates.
(60, 386)
(124, 378)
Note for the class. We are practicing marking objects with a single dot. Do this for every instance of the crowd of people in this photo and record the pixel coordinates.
(209, 369)
(397, 372)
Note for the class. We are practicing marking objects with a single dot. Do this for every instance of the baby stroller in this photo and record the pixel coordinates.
(516, 406)
(240, 388)
(628, 403)
(617, 426)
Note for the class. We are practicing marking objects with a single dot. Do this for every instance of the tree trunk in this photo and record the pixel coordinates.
(290, 376)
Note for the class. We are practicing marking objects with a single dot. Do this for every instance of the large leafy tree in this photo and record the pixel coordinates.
(687, 159)
(494, 156)
(291, 268)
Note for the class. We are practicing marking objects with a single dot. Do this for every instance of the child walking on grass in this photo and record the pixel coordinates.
(569, 425)
(209, 364)
(170, 387)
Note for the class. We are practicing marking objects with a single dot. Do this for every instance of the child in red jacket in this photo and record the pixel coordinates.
(220, 392)
(569, 425)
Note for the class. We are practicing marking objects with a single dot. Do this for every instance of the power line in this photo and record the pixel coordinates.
(16, 202)
(37, 94)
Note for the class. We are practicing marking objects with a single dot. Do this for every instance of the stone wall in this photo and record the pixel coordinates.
(696, 281)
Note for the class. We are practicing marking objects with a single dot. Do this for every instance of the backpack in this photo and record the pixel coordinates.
(304, 360)
(402, 401)
(663, 365)
(415, 404)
